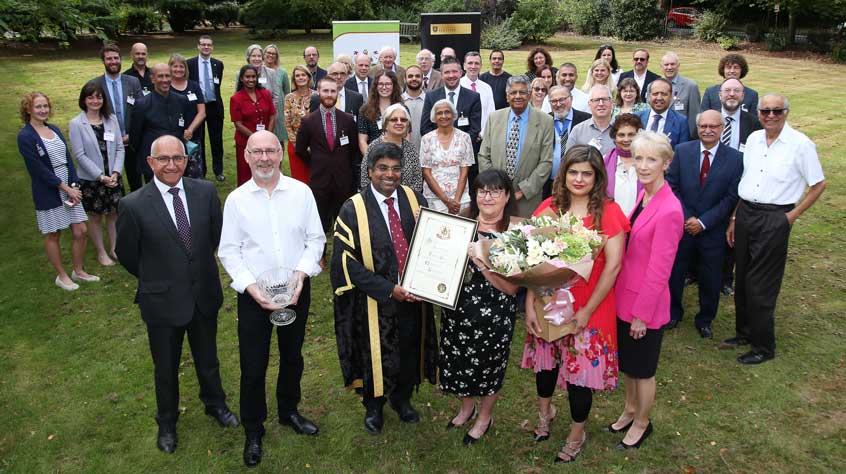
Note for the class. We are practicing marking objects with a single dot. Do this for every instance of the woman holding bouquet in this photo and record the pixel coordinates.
(643, 292)
(476, 336)
(586, 360)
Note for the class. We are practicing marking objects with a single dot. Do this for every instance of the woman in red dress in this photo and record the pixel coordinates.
(252, 110)
(588, 359)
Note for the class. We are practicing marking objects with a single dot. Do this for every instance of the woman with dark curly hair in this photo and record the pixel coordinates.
(731, 66)
(538, 58)
(586, 360)
(384, 92)
(623, 185)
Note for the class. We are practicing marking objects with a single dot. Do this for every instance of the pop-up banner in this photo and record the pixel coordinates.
(459, 31)
(367, 37)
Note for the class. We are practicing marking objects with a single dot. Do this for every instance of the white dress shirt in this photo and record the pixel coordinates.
(652, 116)
(383, 206)
(341, 104)
(361, 84)
(625, 187)
(779, 173)
(580, 100)
(639, 79)
(201, 70)
(455, 98)
(168, 199)
(486, 94)
(262, 232)
(734, 141)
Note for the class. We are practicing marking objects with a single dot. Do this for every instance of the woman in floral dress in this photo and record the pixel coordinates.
(587, 360)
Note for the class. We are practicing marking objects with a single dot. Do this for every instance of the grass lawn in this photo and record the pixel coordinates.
(76, 385)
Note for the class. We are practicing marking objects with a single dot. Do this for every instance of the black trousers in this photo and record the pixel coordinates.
(166, 349)
(214, 125)
(704, 257)
(408, 325)
(580, 398)
(728, 267)
(131, 169)
(329, 202)
(761, 236)
(254, 334)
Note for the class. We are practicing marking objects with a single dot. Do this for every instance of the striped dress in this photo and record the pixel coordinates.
(58, 218)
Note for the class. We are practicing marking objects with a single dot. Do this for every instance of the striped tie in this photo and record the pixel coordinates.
(725, 138)
(511, 146)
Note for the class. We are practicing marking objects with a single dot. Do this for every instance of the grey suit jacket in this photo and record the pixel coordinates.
(435, 80)
(86, 150)
(535, 161)
(131, 89)
(687, 94)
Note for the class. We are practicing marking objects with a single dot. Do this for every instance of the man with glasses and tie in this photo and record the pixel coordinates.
(782, 178)
(661, 118)
(466, 102)
(564, 117)
(348, 100)
(520, 140)
(640, 71)
(704, 174)
(270, 221)
(167, 233)
(207, 71)
(595, 132)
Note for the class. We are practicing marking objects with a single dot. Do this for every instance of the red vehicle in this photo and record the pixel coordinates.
(682, 17)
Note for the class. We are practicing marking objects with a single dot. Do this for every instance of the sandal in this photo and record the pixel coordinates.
(571, 449)
(544, 424)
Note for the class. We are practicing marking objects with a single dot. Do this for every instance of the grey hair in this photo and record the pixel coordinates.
(155, 143)
(672, 55)
(516, 79)
(425, 52)
(722, 119)
(386, 49)
(392, 109)
(658, 142)
(557, 88)
(447, 102)
(602, 87)
(252, 48)
(773, 94)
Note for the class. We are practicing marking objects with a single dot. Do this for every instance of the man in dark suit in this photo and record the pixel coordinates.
(326, 141)
(369, 252)
(731, 66)
(704, 174)
(660, 118)
(139, 69)
(156, 114)
(207, 71)
(311, 56)
(639, 72)
(360, 80)
(349, 100)
(123, 91)
(167, 233)
(565, 117)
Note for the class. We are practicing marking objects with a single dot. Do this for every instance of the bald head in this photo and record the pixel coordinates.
(263, 137)
(139, 55)
(166, 142)
(160, 73)
(264, 153)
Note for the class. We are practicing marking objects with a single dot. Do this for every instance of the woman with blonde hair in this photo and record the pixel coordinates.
(295, 108)
(599, 73)
(283, 88)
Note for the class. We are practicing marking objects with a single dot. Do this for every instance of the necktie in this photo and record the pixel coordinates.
(182, 225)
(725, 138)
(362, 88)
(452, 97)
(425, 82)
(473, 86)
(655, 121)
(397, 235)
(208, 88)
(565, 131)
(511, 147)
(706, 166)
(330, 134)
(118, 106)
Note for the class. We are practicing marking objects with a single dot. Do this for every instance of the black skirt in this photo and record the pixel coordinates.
(638, 357)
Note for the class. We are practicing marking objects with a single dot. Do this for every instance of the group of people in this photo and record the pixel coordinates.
(670, 180)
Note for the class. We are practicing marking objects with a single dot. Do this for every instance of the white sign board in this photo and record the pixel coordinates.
(368, 37)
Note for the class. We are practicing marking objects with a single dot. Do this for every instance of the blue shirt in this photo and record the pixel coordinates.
(556, 151)
(117, 101)
(522, 124)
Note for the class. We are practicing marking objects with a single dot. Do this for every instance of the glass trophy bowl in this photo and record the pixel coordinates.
(278, 285)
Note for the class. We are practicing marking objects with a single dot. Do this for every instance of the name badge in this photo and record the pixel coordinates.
(259, 127)
(216, 80)
(678, 106)
(181, 122)
(40, 151)
(262, 80)
(355, 118)
(595, 143)
(192, 96)
(345, 140)
(463, 121)
(744, 108)
(130, 100)
(742, 147)
(109, 136)
(145, 91)
(379, 124)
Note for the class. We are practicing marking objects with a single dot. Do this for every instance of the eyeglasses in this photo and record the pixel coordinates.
(776, 112)
(539, 89)
(520, 92)
(494, 193)
(386, 168)
(637, 60)
(267, 152)
(384, 84)
(600, 100)
(559, 101)
(164, 159)
(398, 120)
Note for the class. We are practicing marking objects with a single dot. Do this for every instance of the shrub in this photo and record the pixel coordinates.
(139, 19)
(776, 41)
(409, 14)
(709, 27)
(537, 20)
(182, 14)
(820, 42)
(446, 6)
(756, 32)
(587, 16)
(838, 53)
(222, 14)
(501, 36)
(633, 20)
(728, 43)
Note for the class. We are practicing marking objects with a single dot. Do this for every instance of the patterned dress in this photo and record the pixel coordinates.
(476, 338)
(589, 358)
(58, 218)
(97, 198)
(411, 175)
(446, 166)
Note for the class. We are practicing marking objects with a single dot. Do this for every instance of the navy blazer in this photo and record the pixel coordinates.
(352, 84)
(469, 105)
(713, 203)
(217, 71)
(675, 127)
(711, 100)
(650, 76)
(45, 183)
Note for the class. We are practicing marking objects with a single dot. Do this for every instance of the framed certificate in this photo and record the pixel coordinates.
(437, 257)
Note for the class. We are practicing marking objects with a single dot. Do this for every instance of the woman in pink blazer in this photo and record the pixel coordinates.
(642, 288)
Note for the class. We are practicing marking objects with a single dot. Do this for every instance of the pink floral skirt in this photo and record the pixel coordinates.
(589, 359)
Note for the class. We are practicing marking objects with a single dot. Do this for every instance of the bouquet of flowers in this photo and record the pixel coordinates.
(547, 254)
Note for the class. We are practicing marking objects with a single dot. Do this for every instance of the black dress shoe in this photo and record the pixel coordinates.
(733, 343)
(221, 178)
(610, 428)
(223, 416)
(373, 420)
(300, 424)
(166, 441)
(450, 425)
(252, 451)
(754, 358)
(705, 332)
(468, 440)
(674, 323)
(406, 412)
(621, 446)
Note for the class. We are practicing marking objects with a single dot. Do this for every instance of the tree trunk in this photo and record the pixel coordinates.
(791, 27)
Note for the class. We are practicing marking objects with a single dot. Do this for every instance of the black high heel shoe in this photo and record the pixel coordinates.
(621, 446)
(610, 428)
(468, 440)
(450, 425)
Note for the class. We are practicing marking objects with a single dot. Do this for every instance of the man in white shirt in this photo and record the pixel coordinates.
(270, 222)
(567, 76)
(414, 97)
(470, 80)
(431, 77)
(779, 164)
(640, 72)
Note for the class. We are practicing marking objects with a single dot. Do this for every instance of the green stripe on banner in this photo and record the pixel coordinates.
(344, 27)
